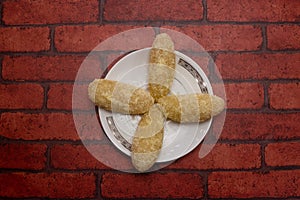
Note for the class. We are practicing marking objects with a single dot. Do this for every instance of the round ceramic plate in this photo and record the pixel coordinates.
(179, 139)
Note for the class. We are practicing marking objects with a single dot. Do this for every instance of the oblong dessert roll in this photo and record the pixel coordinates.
(119, 97)
(191, 107)
(148, 139)
(162, 66)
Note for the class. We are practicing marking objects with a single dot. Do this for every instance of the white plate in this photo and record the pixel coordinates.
(179, 139)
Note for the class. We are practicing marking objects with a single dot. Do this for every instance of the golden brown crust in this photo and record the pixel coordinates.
(119, 97)
(157, 91)
(148, 144)
(191, 107)
(148, 139)
(171, 107)
(162, 66)
(163, 41)
(162, 57)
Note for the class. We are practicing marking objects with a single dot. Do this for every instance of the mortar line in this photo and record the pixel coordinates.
(204, 5)
(142, 23)
(210, 52)
(263, 160)
(266, 85)
(101, 11)
(205, 185)
(1, 63)
(1, 14)
(53, 50)
(48, 157)
(46, 88)
(264, 38)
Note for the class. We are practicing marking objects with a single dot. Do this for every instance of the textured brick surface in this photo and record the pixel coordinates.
(52, 185)
(23, 156)
(49, 12)
(284, 96)
(277, 184)
(281, 37)
(224, 37)
(41, 68)
(53, 146)
(60, 97)
(87, 125)
(70, 157)
(18, 96)
(153, 10)
(282, 154)
(167, 185)
(245, 10)
(222, 156)
(266, 66)
(261, 126)
(24, 39)
(50, 126)
(86, 38)
(244, 95)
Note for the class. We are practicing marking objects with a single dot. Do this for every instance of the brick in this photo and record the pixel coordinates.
(184, 42)
(88, 126)
(21, 96)
(222, 156)
(1, 11)
(31, 39)
(284, 95)
(245, 10)
(167, 185)
(87, 38)
(46, 68)
(49, 12)
(23, 156)
(60, 97)
(261, 126)
(283, 37)
(220, 37)
(276, 184)
(50, 185)
(146, 10)
(266, 66)
(282, 154)
(75, 157)
(244, 95)
(40, 126)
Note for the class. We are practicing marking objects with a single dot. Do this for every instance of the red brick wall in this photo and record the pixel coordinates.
(256, 46)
